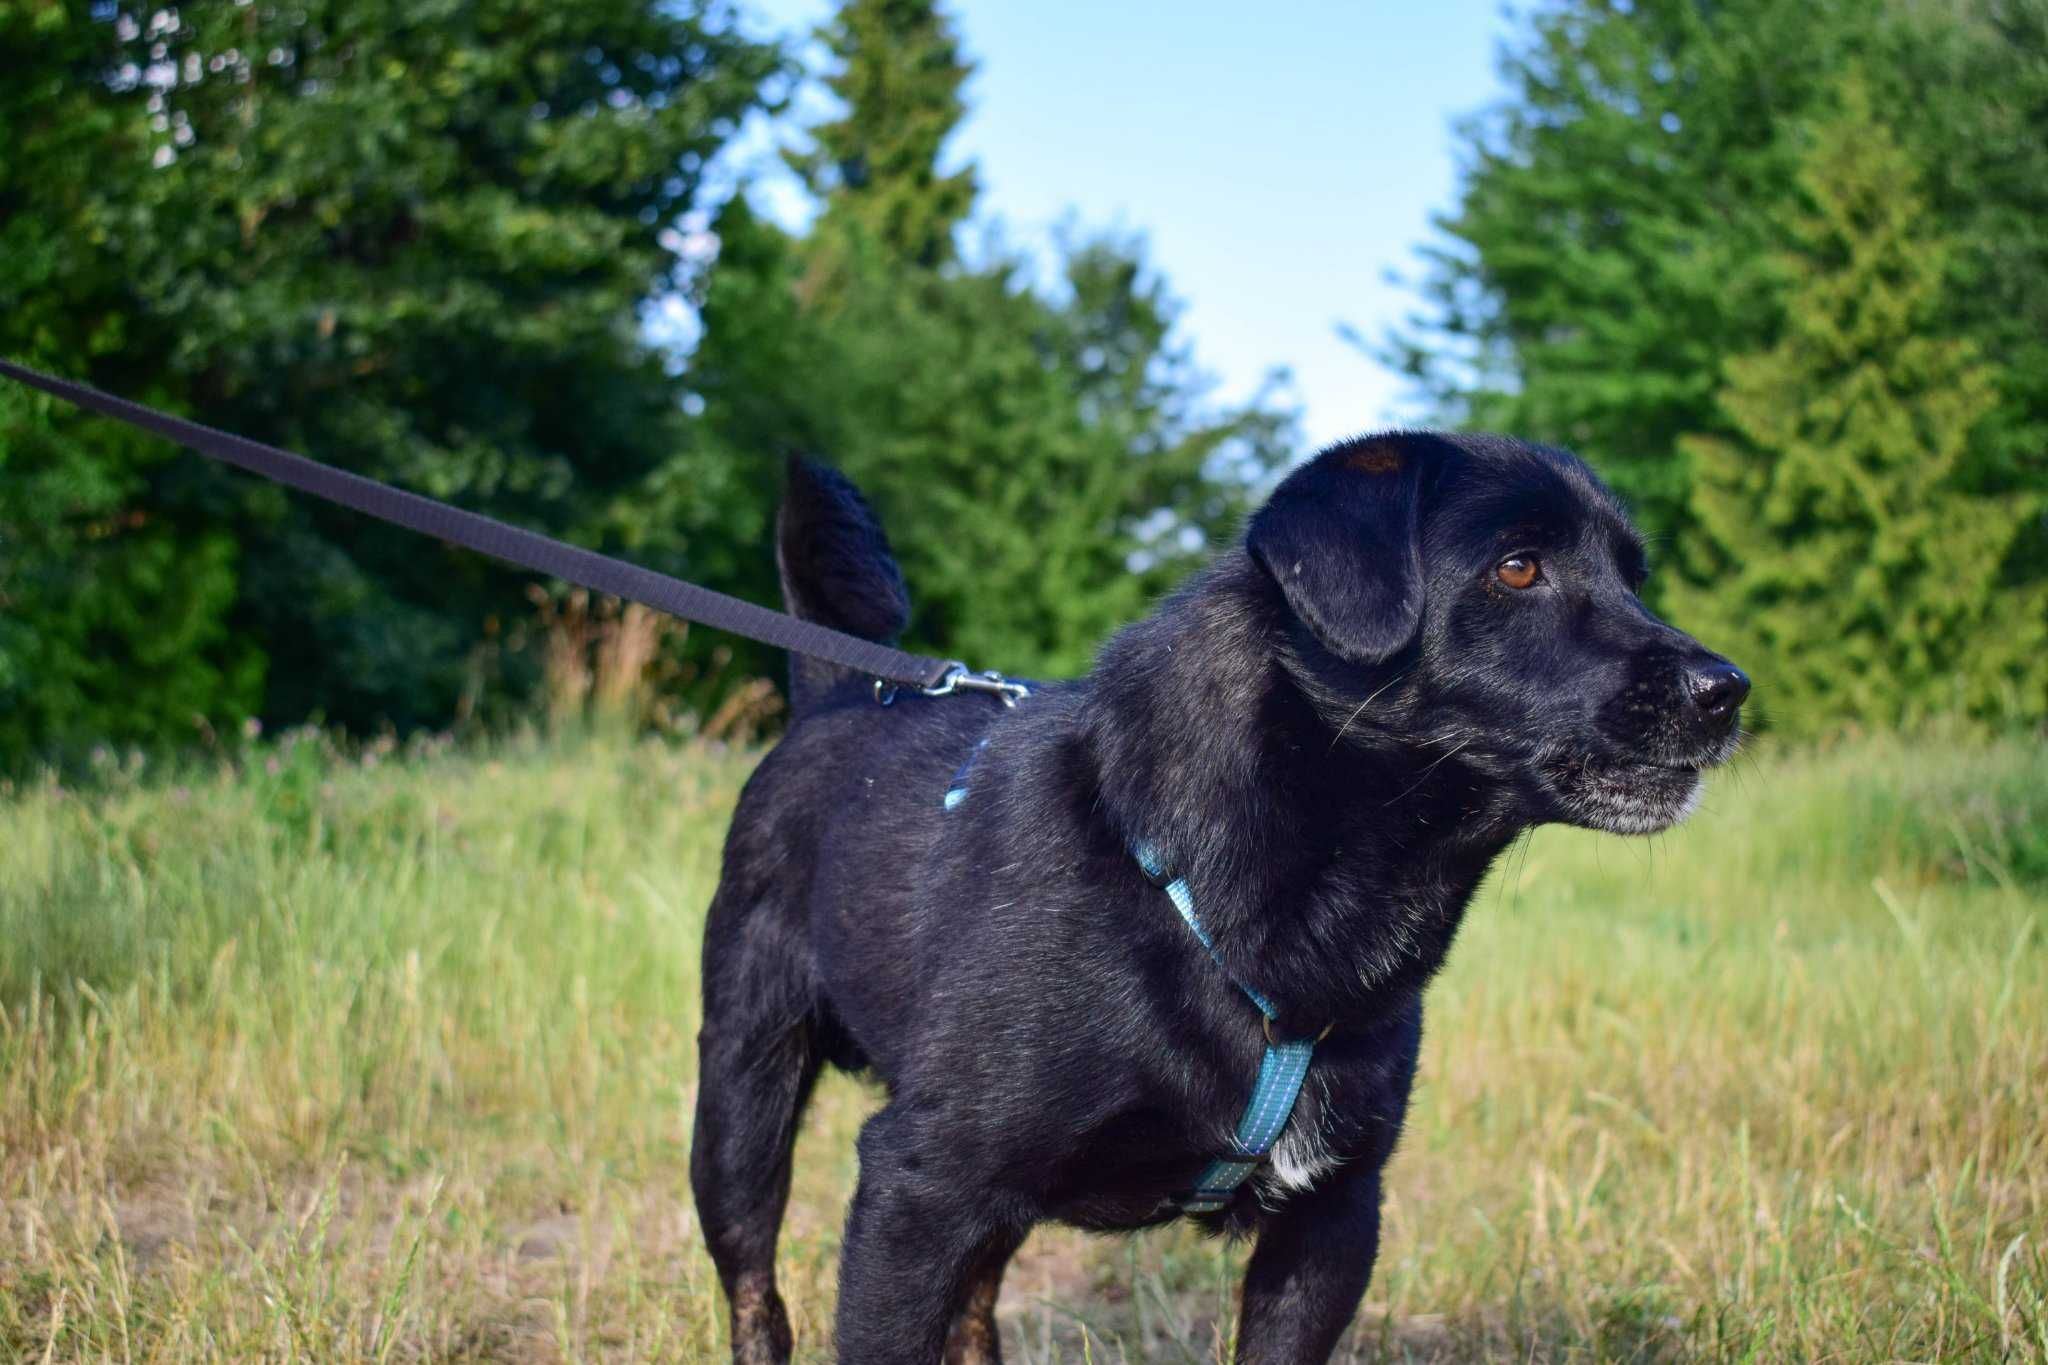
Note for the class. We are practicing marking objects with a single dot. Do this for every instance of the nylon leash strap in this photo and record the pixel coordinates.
(514, 545)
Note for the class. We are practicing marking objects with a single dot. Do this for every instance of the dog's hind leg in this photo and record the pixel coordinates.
(758, 1054)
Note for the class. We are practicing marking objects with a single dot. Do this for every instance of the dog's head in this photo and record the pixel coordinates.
(1485, 592)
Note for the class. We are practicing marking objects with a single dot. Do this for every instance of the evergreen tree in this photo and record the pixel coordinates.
(899, 78)
(1976, 78)
(1603, 258)
(1978, 88)
(1836, 552)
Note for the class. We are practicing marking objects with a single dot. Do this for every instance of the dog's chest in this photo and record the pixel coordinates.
(1306, 1151)
(1298, 1160)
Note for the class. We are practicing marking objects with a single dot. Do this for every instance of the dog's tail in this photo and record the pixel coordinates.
(837, 570)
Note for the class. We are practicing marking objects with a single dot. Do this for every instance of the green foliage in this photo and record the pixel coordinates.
(419, 248)
(1834, 551)
(1602, 259)
(1045, 460)
(112, 614)
(417, 240)
(412, 240)
(899, 78)
(1978, 95)
(1044, 467)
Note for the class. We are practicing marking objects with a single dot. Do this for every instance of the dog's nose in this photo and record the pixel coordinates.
(1718, 688)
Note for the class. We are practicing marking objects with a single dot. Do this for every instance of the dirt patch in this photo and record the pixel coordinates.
(551, 1238)
(153, 1219)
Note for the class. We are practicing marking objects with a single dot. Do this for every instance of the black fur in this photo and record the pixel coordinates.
(836, 570)
(1331, 732)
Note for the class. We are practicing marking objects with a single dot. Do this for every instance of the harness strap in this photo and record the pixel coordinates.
(956, 790)
(1282, 1069)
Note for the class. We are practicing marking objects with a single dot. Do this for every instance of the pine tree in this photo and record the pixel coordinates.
(1600, 263)
(1978, 90)
(900, 75)
(1836, 552)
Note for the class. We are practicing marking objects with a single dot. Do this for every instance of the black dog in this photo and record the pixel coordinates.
(1424, 645)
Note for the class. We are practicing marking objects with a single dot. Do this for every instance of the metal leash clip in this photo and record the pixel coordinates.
(959, 678)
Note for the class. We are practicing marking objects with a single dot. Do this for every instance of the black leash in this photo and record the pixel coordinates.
(528, 550)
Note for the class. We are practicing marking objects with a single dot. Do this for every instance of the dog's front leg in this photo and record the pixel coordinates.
(1308, 1271)
(920, 1237)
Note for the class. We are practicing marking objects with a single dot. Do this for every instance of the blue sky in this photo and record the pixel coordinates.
(1279, 160)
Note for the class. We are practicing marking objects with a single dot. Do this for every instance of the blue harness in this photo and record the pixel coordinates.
(1281, 1071)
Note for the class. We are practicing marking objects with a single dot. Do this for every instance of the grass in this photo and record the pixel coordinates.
(389, 1057)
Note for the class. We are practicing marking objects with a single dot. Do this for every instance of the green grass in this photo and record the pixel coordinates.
(390, 1058)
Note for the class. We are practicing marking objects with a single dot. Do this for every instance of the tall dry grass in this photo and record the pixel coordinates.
(389, 1057)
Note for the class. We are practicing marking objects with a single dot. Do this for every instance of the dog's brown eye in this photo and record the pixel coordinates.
(1517, 571)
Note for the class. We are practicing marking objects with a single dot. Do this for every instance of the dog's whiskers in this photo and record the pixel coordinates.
(1360, 709)
(1427, 771)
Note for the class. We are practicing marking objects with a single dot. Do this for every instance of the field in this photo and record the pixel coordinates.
(388, 1056)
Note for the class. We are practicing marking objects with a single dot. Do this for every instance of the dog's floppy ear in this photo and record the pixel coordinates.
(1342, 537)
